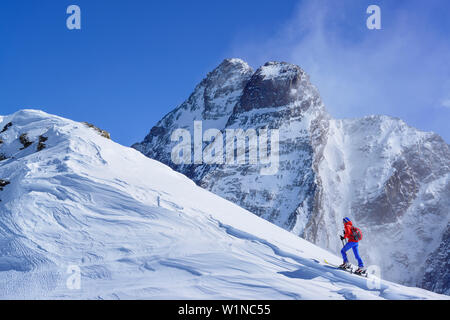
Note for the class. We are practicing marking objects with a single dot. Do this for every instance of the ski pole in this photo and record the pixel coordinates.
(343, 243)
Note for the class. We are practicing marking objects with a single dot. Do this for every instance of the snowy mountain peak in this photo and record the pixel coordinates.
(233, 65)
(227, 73)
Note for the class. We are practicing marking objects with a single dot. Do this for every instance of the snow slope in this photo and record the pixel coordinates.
(138, 229)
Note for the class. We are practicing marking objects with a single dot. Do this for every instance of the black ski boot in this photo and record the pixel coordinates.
(361, 271)
(345, 266)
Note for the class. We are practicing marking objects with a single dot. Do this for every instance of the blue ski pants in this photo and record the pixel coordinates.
(354, 246)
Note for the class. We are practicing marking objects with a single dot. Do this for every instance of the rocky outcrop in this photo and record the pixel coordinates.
(274, 84)
(3, 183)
(103, 133)
(25, 141)
(41, 144)
(6, 127)
(437, 273)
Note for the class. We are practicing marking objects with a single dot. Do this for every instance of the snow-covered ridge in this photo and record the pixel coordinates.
(137, 229)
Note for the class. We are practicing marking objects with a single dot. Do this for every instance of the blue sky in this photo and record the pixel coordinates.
(134, 61)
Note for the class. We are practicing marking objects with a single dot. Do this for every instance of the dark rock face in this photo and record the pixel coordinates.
(3, 183)
(6, 127)
(437, 273)
(41, 145)
(25, 141)
(274, 84)
(399, 192)
(384, 174)
(416, 165)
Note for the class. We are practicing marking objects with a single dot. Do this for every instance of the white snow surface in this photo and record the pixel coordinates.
(139, 230)
(376, 141)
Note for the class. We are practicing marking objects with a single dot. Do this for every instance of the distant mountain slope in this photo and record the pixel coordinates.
(392, 179)
(137, 229)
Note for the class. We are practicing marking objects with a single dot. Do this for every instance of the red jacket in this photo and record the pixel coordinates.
(348, 232)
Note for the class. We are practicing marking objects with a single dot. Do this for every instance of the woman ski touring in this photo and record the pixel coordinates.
(353, 235)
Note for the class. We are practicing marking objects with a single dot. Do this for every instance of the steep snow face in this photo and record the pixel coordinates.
(137, 229)
(393, 180)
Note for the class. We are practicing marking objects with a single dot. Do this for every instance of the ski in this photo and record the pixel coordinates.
(338, 267)
(350, 270)
(362, 274)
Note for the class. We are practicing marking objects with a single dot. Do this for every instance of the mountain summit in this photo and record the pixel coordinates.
(392, 179)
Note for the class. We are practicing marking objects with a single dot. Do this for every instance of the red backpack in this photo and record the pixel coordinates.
(356, 234)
